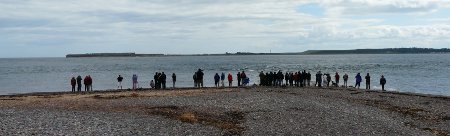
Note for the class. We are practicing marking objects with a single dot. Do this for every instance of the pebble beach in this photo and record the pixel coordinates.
(226, 111)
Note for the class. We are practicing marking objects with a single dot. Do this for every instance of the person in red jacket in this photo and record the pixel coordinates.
(73, 82)
(336, 77)
(90, 83)
(230, 79)
(86, 83)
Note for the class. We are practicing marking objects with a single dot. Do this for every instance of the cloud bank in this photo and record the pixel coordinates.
(36, 28)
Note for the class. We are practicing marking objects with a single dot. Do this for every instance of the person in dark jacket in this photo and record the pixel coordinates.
(336, 78)
(119, 82)
(200, 77)
(262, 78)
(90, 83)
(174, 79)
(358, 80)
(222, 79)
(156, 78)
(243, 75)
(291, 79)
(194, 77)
(286, 79)
(238, 76)
(382, 82)
(73, 82)
(216, 79)
(79, 79)
(86, 83)
(319, 79)
(328, 79)
(308, 78)
(368, 81)
(345, 77)
(163, 80)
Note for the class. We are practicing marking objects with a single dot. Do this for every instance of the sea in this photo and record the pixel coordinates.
(418, 73)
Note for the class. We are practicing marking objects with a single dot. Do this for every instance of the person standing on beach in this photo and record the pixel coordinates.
(238, 76)
(286, 78)
(90, 83)
(200, 77)
(216, 79)
(291, 79)
(336, 78)
(261, 78)
(230, 79)
(319, 79)
(308, 78)
(79, 82)
(73, 82)
(174, 79)
(119, 82)
(280, 78)
(345, 77)
(194, 77)
(328, 80)
(156, 78)
(163, 80)
(368, 81)
(243, 76)
(86, 83)
(222, 79)
(358, 80)
(382, 82)
(135, 81)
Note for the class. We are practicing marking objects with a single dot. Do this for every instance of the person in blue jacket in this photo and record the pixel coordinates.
(216, 79)
(222, 79)
(358, 80)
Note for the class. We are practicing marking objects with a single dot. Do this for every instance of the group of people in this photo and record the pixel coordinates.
(242, 79)
(298, 79)
(77, 82)
(158, 82)
(291, 79)
(326, 80)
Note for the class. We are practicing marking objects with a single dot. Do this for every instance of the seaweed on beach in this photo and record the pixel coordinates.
(228, 121)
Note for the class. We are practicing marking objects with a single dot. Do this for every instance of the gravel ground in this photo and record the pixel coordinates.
(230, 111)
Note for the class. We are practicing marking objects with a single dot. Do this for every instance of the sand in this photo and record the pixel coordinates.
(226, 111)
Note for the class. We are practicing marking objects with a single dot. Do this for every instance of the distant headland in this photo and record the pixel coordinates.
(308, 52)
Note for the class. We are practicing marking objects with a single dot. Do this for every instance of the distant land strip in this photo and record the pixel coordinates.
(309, 52)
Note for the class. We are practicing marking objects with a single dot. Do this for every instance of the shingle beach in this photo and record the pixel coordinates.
(226, 111)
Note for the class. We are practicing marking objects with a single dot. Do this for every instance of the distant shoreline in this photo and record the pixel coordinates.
(309, 52)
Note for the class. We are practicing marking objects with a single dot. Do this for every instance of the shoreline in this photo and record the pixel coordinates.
(209, 88)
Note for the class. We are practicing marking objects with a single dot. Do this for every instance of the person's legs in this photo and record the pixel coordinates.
(382, 87)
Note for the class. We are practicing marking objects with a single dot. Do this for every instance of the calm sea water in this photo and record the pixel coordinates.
(422, 73)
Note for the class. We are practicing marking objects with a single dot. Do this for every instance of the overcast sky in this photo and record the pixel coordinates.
(54, 28)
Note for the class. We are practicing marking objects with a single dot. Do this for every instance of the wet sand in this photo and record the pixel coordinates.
(226, 111)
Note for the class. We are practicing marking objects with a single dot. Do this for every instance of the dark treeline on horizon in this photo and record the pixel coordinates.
(381, 51)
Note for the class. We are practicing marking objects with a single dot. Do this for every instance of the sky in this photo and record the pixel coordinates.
(54, 28)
